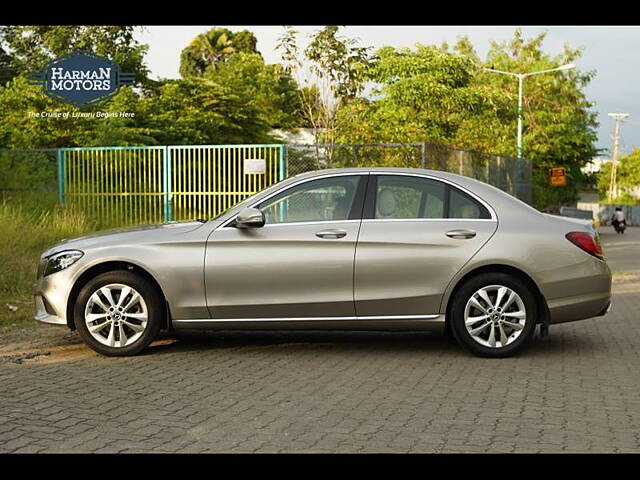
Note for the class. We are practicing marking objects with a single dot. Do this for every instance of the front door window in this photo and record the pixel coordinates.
(322, 200)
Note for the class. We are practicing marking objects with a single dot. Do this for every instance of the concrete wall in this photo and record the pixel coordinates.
(604, 212)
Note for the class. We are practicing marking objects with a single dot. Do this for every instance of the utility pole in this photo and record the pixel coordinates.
(613, 188)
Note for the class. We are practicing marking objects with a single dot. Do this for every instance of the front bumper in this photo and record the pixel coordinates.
(42, 315)
(51, 295)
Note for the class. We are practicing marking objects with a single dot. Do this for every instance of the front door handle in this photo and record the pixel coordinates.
(461, 233)
(331, 233)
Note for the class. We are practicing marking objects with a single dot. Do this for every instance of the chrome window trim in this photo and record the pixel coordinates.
(372, 220)
(494, 217)
(304, 180)
(305, 319)
(289, 224)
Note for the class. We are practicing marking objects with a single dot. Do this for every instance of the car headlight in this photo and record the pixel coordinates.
(60, 261)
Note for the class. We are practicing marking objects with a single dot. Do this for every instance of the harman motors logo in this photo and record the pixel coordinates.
(81, 79)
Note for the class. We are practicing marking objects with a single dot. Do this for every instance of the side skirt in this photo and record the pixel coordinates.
(394, 322)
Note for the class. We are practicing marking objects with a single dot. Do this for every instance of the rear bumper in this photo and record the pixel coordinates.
(579, 308)
(605, 310)
(584, 292)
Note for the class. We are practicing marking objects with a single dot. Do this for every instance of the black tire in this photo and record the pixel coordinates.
(463, 295)
(149, 293)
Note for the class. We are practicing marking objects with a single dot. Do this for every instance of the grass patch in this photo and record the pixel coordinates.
(26, 231)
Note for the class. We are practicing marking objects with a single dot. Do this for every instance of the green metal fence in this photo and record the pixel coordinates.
(207, 180)
(119, 185)
(134, 185)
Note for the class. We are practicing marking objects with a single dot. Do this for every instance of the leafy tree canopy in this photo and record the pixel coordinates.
(31, 47)
(214, 47)
(237, 103)
(425, 94)
(191, 111)
(7, 70)
(442, 94)
(267, 88)
(200, 111)
(627, 178)
(559, 123)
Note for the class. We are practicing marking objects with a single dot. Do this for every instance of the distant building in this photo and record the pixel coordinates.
(594, 165)
(304, 136)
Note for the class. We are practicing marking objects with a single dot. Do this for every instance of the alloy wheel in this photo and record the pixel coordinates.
(495, 316)
(116, 315)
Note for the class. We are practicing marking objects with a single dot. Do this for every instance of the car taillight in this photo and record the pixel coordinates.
(588, 242)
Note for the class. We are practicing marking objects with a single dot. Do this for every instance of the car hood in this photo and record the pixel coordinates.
(133, 235)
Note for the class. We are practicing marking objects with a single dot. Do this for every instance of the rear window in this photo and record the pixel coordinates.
(400, 196)
(462, 205)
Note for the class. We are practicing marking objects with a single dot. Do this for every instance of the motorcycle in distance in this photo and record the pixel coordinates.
(618, 221)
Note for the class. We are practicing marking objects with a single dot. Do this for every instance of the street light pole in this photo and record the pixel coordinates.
(521, 77)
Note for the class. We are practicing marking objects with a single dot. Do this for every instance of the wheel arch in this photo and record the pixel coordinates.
(541, 302)
(110, 266)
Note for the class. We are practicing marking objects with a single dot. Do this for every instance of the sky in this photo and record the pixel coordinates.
(614, 52)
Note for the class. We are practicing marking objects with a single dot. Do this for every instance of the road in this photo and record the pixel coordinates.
(575, 391)
(622, 251)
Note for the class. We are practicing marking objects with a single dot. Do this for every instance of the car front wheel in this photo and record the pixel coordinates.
(494, 315)
(118, 313)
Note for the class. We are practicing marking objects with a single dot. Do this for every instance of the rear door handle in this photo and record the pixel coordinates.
(461, 233)
(331, 233)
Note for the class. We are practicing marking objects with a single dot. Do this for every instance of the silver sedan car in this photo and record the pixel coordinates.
(344, 249)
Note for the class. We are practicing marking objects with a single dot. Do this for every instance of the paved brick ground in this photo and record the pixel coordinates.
(577, 391)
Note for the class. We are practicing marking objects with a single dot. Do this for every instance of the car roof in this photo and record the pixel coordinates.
(452, 177)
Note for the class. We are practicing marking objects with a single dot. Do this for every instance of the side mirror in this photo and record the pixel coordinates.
(250, 218)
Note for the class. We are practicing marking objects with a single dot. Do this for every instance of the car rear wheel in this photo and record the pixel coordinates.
(118, 313)
(494, 315)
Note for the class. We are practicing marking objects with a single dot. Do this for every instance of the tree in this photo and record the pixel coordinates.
(191, 111)
(559, 123)
(33, 46)
(213, 48)
(20, 103)
(267, 88)
(425, 94)
(7, 71)
(440, 93)
(627, 178)
(334, 77)
(200, 111)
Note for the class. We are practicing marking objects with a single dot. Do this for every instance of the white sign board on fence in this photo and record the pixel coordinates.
(254, 166)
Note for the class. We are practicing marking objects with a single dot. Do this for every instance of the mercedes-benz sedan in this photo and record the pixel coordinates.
(347, 249)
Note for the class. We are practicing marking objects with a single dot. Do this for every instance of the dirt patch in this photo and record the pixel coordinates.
(36, 337)
(14, 353)
(57, 354)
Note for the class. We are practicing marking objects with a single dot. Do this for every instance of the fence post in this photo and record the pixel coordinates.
(166, 167)
(424, 155)
(60, 161)
(282, 163)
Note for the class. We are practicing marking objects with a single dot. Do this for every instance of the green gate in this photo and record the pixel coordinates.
(134, 185)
